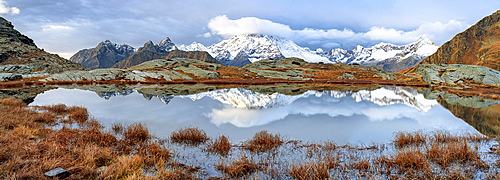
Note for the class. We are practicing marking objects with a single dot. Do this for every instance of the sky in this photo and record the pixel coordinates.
(66, 26)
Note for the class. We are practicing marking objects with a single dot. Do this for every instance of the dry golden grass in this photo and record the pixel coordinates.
(135, 134)
(190, 136)
(29, 146)
(238, 168)
(221, 146)
(455, 152)
(309, 170)
(402, 139)
(117, 128)
(363, 165)
(412, 163)
(263, 141)
(444, 137)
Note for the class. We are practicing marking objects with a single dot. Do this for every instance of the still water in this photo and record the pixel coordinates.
(342, 117)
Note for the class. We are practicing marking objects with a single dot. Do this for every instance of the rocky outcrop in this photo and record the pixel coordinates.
(158, 69)
(148, 52)
(19, 54)
(281, 63)
(198, 55)
(457, 74)
(478, 45)
(104, 55)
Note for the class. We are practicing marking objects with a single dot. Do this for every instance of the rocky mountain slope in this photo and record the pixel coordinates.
(199, 55)
(19, 54)
(478, 45)
(148, 52)
(104, 55)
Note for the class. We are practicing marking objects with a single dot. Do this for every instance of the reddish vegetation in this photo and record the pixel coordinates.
(29, 146)
(238, 168)
(190, 136)
(263, 141)
(221, 146)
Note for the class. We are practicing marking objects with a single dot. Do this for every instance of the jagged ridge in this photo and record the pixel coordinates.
(104, 55)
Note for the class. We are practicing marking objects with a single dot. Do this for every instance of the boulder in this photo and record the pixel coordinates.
(59, 173)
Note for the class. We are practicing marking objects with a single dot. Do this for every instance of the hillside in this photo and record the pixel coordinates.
(478, 45)
(19, 54)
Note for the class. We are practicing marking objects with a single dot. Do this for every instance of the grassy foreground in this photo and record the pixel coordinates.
(34, 140)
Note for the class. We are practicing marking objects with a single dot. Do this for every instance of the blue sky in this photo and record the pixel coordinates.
(66, 26)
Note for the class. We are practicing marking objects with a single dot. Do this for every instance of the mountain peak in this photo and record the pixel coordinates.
(424, 40)
(193, 47)
(166, 45)
(165, 41)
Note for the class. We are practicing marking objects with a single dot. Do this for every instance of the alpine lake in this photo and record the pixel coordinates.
(362, 122)
(342, 116)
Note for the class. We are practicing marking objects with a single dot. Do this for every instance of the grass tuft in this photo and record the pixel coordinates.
(309, 170)
(221, 146)
(403, 139)
(190, 136)
(135, 134)
(238, 168)
(263, 141)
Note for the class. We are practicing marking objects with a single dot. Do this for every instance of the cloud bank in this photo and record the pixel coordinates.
(4, 9)
(331, 38)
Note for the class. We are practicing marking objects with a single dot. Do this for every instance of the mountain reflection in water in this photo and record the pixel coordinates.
(344, 117)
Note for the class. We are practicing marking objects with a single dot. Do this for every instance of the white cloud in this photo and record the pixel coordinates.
(206, 35)
(223, 26)
(8, 10)
(55, 27)
(437, 31)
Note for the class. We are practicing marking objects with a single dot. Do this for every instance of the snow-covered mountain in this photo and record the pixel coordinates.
(242, 98)
(384, 53)
(166, 45)
(254, 47)
(193, 47)
(246, 99)
(244, 49)
(251, 47)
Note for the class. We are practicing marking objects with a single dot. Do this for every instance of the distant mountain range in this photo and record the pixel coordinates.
(245, 49)
(246, 99)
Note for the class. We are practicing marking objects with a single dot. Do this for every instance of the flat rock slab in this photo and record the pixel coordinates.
(58, 172)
